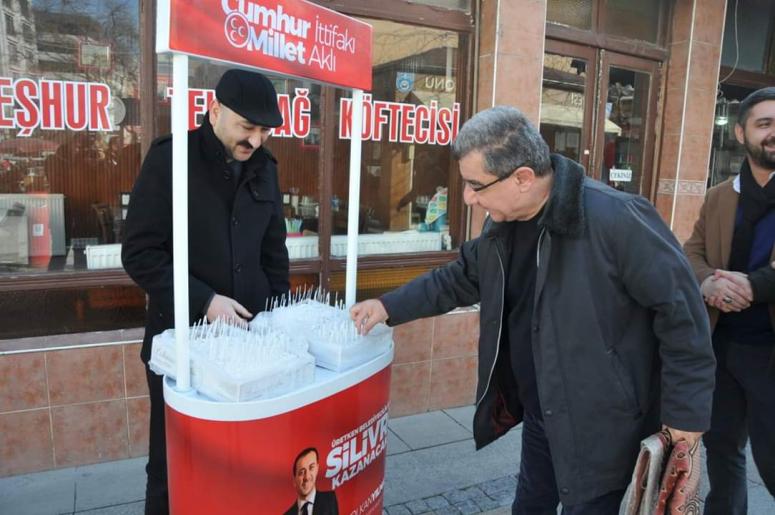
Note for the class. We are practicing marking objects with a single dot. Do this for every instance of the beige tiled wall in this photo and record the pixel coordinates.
(435, 363)
(71, 407)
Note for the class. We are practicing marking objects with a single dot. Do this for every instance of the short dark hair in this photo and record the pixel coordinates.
(304, 453)
(758, 96)
(506, 139)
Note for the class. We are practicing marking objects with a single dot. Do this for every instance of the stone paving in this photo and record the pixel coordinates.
(432, 467)
(484, 497)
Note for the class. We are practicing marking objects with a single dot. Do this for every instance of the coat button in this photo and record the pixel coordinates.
(536, 327)
(234, 221)
(226, 175)
(238, 268)
(548, 413)
(565, 491)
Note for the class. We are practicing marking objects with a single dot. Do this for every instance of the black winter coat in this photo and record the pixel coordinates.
(236, 234)
(620, 334)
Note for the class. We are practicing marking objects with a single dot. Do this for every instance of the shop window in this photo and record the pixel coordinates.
(39, 313)
(633, 19)
(374, 283)
(411, 117)
(563, 105)
(24, 7)
(10, 26)
(574, 13)
(296, 144)
(726, 154)
(64, 171)
(748, 36)
(457, 5)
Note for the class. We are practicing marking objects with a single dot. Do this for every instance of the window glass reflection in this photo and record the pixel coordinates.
(562, 104)
(411, 118)
(69, 131)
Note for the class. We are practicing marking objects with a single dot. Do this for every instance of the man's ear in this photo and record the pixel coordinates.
(525, 176)
(214, 110)
(740, 133)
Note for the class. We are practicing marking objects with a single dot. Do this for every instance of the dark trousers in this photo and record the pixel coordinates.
(156, 499)
(536, 486)
(743, 407)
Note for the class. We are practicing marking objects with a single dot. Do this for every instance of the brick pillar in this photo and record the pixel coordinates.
(511, 59)
(689, 111)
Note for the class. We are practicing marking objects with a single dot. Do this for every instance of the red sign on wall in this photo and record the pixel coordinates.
(295, 38)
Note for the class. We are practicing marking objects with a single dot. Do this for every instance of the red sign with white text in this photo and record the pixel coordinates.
(397, 122)
(27, 104)
(295, 38)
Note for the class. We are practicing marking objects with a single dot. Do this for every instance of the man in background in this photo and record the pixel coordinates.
(730, 250)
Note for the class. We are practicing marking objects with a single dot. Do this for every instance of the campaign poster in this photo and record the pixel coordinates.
(335, 446)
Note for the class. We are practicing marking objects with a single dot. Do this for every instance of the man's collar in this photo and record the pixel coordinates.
(736, 182)
(310, 498)
(213, 148)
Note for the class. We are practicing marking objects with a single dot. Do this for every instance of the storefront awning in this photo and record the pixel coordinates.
(565, 108)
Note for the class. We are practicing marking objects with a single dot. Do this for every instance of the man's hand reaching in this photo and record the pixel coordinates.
(367, 314)
(227, 309)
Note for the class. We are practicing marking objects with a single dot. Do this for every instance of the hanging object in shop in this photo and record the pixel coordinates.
(54, 105)
(620, 175)
(92, 56)
(404, 82)
(299, 38)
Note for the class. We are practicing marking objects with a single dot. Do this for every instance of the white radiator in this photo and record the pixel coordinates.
(41, 208)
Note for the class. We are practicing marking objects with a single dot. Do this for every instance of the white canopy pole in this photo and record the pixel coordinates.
(180, 216)
(351, 279)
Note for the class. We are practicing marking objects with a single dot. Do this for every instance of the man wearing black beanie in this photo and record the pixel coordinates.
(237, 253)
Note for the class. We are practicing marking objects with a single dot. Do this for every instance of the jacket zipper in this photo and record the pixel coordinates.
(500, 326)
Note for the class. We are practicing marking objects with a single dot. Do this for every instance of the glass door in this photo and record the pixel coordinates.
(624, 148)
(599, 109)
(567, 100)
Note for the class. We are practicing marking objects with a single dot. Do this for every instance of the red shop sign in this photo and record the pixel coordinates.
(290, 37)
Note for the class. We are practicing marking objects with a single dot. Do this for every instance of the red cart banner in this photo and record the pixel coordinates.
(336, 445)
(290, 37)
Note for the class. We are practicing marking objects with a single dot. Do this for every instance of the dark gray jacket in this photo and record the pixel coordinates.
(621, 339)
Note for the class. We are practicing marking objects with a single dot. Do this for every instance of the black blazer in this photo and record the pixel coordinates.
(236, 232)
(325, 504)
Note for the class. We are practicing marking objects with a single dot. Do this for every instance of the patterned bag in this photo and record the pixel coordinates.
(662, 483)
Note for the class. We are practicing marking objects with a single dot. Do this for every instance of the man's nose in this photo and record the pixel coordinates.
(256, 140)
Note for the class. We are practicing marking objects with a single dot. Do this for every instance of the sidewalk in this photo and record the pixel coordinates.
(431, 467)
